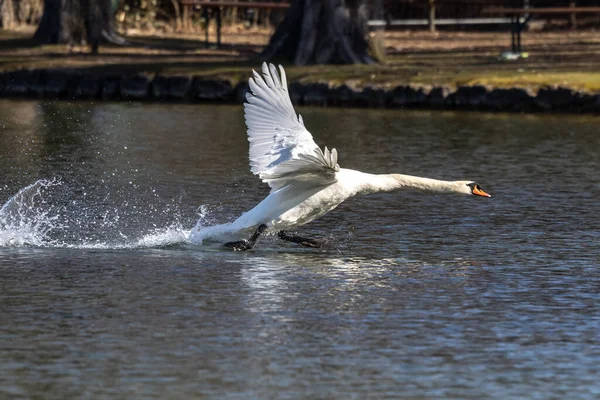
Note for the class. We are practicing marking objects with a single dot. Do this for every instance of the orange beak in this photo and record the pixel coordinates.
(480, 192)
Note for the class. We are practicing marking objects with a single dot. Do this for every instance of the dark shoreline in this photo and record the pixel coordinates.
(74, 84)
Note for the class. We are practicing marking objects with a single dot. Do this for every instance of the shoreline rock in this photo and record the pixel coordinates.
(74, 84)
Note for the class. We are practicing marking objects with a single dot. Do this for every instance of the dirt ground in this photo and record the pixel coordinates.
(561, 58)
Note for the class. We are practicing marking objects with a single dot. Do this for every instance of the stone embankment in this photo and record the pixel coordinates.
(70, 84)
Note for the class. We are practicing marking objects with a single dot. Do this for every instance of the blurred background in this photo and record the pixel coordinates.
(434, 47)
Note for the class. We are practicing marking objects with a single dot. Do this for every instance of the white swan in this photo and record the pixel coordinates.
(305, 181)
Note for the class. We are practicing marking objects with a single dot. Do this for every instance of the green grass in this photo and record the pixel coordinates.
(583, 81)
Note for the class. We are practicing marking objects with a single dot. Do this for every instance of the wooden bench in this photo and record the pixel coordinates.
(432, 19)
(520, 17)
(217, 6)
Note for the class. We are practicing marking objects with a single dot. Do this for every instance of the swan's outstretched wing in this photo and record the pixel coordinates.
(282, 151)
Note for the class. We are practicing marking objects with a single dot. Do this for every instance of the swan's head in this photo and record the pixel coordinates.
(470, 187)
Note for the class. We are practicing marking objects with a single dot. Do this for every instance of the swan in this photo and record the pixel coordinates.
(306, 182)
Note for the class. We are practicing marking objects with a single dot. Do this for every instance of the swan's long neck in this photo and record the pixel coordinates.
(389, 182)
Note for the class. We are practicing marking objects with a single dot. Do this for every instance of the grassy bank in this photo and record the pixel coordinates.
(453, 59)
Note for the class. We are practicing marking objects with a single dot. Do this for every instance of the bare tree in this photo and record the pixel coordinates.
(322, 32)
(7, 14)
(13, 13)
(78, 21)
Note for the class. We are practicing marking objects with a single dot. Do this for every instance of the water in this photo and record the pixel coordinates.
(415, 296)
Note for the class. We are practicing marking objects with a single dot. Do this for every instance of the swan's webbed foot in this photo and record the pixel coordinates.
(239, 245)
(306, 242)
(242, 245)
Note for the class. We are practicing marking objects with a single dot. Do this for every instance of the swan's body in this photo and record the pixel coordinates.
(305, 181)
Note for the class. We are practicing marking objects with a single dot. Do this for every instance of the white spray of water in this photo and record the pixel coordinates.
(25, 220)
(30, 219)
(162, 237)
(206, 230)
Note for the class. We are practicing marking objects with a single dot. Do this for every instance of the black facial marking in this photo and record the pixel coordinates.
(474, 185)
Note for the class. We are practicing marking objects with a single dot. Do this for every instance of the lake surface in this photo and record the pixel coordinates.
(414, 296)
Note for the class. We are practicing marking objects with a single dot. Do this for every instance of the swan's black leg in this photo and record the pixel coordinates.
(300, 240)
(242, 245)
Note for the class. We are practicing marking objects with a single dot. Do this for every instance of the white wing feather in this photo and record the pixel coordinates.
(282, 151)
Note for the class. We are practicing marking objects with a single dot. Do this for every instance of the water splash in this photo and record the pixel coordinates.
(40, 216)
(159, 238)
(26, 219)
(207, 230)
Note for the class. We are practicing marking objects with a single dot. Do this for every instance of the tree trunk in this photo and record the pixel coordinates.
(77, 21)
(7, 14)
(377, 35)
(14, 13)
(29, 11)
(178, 23)
(322, 32)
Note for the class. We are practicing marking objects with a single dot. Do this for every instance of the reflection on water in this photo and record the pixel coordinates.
(414, 297)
